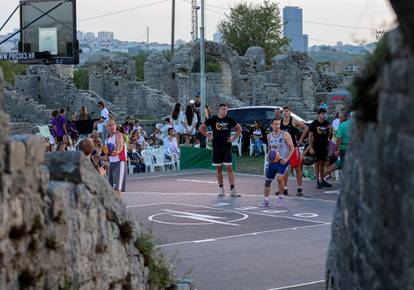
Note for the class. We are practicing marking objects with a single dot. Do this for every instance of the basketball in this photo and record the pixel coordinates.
(108, 149)
(273, 156)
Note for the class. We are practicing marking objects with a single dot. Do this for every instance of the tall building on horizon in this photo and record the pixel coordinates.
(293, 28)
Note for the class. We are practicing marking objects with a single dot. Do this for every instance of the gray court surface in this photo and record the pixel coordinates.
(233, 243)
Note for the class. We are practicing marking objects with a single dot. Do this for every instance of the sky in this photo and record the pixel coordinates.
(361, 17)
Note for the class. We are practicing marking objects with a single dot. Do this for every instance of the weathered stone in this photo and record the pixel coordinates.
(16, 156)
(34, 148)
(372, 238)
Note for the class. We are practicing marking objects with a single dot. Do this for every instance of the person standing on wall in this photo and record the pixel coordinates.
(103, 120)
(222, 143)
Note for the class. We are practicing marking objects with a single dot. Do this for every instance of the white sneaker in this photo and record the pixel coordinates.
(234, 193)
(221, 191)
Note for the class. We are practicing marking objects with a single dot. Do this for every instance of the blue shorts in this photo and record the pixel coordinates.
(276, 168)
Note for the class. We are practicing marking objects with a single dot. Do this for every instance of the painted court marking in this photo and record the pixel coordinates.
(203, 218)
(241, 235)
(306, 215)
(196, 181)
(298, 285)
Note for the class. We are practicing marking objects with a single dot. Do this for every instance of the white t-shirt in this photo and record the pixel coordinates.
(105, 116)
(190, 127)
(335, 124)
(170, 145)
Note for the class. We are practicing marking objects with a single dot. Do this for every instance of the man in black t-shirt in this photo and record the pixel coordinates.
(319, 132)
(222, 143)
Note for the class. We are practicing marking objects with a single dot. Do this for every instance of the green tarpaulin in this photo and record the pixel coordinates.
(197, 158)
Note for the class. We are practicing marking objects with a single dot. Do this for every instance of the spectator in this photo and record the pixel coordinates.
(68, 143)
(125, 135)
(59, 125)
(61, 147)
(257, 134)
(72, 130)
(335, 123)
(278, 113)
(137, 125)
(170, 143)
(190, 122)
(97, 153)
(128, 126)
(138, 141)
(323, 105)
(103, 120)
(47, 145)
(84, 115)
(54, 123)
(177, 119)
(208, 112)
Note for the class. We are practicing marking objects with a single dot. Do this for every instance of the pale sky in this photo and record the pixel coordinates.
(131, 25)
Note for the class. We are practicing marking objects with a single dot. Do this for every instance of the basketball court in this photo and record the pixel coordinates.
(233, 243)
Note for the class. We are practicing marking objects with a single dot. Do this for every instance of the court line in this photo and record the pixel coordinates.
(240, 236)
(249, 212)
(148, 204)
(167, 175)
(298, 285)
(215, 194)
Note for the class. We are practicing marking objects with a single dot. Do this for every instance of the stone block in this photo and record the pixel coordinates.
(15, 156)
(34, 148)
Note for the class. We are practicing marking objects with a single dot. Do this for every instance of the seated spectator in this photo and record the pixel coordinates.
(257, 134)
(48, 146)
(68, 143)
(84, 115)
(61, 147)
(127, 125)
(170, 143)
(138, 141)
(190, 121)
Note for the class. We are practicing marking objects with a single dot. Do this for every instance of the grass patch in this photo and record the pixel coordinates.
(250, 164)
(161, 275)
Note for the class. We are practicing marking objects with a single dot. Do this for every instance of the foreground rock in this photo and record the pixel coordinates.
(372, 234)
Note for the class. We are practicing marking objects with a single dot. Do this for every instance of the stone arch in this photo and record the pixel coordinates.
(183, 61)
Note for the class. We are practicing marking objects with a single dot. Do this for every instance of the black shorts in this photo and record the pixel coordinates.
(321, 153)
(222, 156)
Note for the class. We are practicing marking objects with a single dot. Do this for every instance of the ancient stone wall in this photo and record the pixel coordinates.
(372, 233)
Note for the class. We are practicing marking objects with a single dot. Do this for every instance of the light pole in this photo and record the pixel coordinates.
(202, 64)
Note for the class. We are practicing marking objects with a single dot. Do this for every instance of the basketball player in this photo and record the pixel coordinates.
(291, 126)
(281, 142)
(222, 125)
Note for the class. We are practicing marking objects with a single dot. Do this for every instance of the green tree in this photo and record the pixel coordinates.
(254, 25)
(81, 79)
(11, 69)
(139, 63)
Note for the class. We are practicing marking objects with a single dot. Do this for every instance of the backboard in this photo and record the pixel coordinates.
(49, 31)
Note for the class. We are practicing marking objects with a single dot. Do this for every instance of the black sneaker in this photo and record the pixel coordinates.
(318, 185)
(299, 192)
(326, 184)
(285, 192)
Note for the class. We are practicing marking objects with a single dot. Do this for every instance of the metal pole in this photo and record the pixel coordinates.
(202, 64)
(172, 27)
(147, 38)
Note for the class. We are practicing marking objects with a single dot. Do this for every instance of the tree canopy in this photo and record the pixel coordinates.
(254, 25)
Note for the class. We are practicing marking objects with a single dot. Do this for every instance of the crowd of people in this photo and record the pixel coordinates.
(286, 147)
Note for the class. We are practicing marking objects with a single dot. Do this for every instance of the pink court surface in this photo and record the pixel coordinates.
(233, 243)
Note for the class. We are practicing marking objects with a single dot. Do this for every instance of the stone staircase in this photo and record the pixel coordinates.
(23, 108)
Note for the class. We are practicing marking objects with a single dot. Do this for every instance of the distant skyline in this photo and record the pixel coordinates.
(322, 18)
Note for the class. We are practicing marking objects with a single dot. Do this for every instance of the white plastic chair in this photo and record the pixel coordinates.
(174, 157)
(251, 147)
(161, 160)
(238, 143)
(148, 160)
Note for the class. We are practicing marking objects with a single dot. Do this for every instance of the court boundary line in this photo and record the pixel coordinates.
(215, 194)
(297, 285)
(239, 236)
(167, 175)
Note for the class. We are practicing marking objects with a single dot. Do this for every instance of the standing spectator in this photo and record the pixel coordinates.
(84, 115)
(60, 125)
(117, 159)
(54, 123)
(323, 105)
(335, 123)
(137, 125)
(72, 130)
(318, 137)
(177, 119)
(278, 113)
(257, 134)
(208, 112)
(125, 135)
(103, 120)
(190, 123)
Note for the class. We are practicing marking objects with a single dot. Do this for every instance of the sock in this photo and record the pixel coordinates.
(231, 186)
(285, 187)
(299, 186)
(220, 185)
